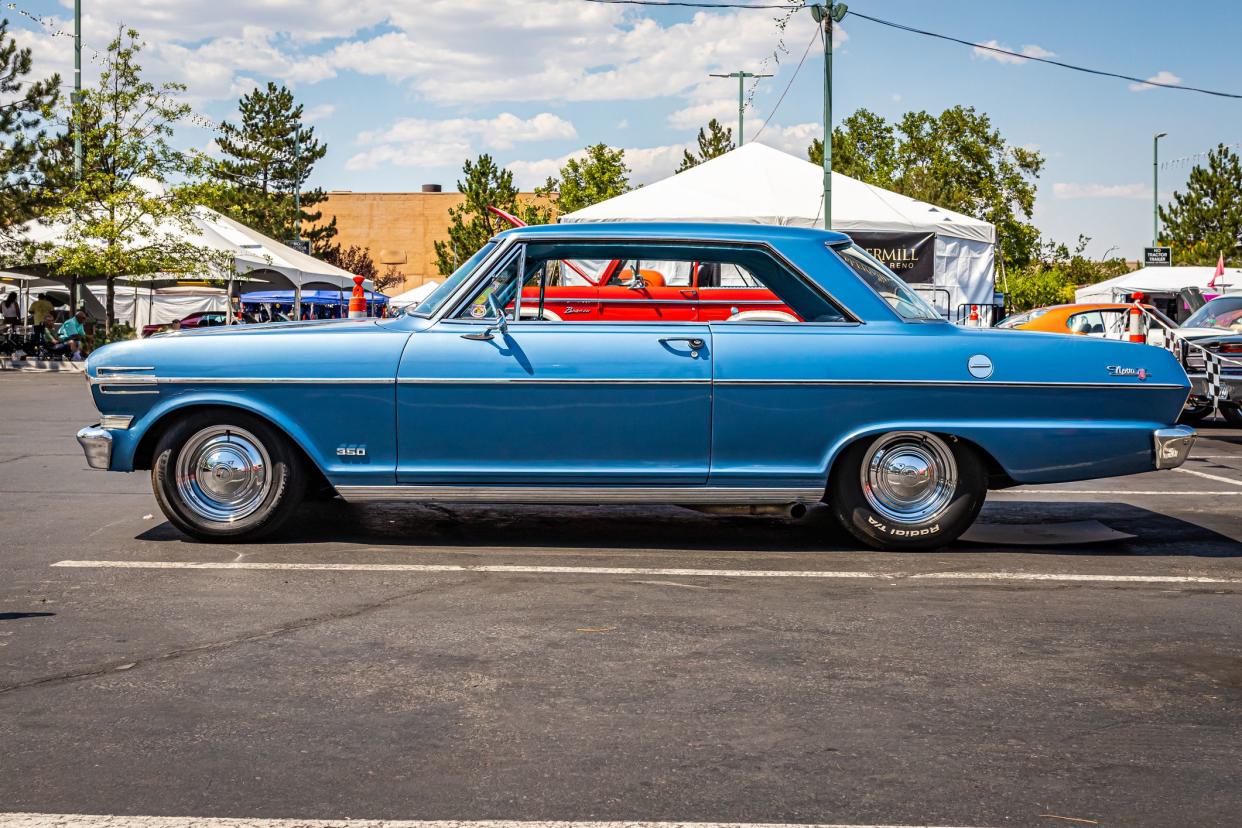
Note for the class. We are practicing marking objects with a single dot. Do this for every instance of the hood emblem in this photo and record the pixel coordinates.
(1123, 371)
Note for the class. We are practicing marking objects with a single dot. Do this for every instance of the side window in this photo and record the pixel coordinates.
(1090, 322)
(652, 273)
(494, 294)
(718, 275)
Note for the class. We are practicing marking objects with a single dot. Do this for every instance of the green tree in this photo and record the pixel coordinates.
(471, 224)
(268, 156)
(601, 175)
(1054, 272)
(26, 110)
(956, 160)
(353, 259)
(1206, 220)
(120, 219)
(714, 140)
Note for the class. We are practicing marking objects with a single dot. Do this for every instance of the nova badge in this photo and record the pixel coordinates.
(1122, 371)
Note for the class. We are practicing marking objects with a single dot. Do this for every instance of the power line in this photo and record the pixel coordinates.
(690, 5)
(814, 37)
(1060, 63)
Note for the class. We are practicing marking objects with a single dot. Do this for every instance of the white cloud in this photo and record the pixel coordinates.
(647, 164)
(1163, 76)
(1073, 190)
(423, 142)
(318, 112)
(1030, 50)
(792, 139)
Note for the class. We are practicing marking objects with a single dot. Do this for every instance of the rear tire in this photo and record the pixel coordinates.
(1232, 415)
(226, 476)
(1195, 414)
(907, 490)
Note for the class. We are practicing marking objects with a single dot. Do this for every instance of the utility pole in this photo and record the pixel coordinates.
(1155, 188)
(827, 14)
(76, 112)
(741, 96)
(297, 188)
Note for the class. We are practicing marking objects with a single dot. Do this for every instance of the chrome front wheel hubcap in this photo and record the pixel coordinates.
(223, 474)
(909, 477)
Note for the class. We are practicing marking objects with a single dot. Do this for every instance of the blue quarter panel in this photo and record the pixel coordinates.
(788, 398)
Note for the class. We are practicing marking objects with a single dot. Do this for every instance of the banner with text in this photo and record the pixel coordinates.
(911, 256)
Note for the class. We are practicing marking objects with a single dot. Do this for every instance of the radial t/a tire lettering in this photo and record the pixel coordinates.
(223, 475)
(907, 490)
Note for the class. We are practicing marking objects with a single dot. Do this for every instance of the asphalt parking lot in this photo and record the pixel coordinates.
(614, 664)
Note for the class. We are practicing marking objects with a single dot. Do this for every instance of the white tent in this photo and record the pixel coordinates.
(755, 184)
(1164, 280)
(414, 295)
(141, 306)
(250, 249)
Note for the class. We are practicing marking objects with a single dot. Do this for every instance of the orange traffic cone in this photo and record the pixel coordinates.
(358, 301)
(974, 315)
(1136, 325)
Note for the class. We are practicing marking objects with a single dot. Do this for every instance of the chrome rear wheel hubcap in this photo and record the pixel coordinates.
(909, 477)
(223, 474)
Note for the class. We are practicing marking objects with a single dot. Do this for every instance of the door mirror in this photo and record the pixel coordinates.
(488, 333)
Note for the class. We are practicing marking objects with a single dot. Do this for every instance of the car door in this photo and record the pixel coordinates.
(552, 402)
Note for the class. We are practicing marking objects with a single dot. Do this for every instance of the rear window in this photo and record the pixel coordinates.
(899, 296)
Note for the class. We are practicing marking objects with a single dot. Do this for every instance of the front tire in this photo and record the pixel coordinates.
(226, 476)
(907, 490)
(1232, 415)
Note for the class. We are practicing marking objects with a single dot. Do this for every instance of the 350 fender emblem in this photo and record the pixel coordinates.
(351, 451)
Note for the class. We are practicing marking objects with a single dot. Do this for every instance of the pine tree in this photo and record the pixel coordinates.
(266, 157)
(601, 175)
(1206, 220)
(26, 108)
(471, 224)
(714, 140)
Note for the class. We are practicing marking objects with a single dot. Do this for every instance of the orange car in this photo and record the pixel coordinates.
(1108, 320)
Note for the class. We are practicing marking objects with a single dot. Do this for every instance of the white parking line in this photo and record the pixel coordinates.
(511, 569)
(1115, 492)
(1215, 477)
(101, 821)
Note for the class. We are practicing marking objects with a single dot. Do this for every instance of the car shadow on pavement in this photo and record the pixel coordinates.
(520, 527)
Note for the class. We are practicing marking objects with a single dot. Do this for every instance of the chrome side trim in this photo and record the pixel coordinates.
(547, 381)
(1172, 446)
(678, 495)
(97, 444)
(139, 381)
(120, 422)
(953, 383)
(116, 369)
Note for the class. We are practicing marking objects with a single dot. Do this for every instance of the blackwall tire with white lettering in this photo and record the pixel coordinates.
(907, 490)
(222, 475)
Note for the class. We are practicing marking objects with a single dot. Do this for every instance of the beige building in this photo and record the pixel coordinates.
(400, 229)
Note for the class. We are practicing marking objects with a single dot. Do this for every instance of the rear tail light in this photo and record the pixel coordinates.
(1230, 348)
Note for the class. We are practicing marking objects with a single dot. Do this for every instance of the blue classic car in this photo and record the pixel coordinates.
(867, 400)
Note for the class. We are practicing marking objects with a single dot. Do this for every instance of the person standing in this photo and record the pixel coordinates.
(40, 309)
(12, 311)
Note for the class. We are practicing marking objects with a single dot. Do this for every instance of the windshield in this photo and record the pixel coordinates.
(433, 302)
(1224, 312)
(1022, 318)
(899, 295)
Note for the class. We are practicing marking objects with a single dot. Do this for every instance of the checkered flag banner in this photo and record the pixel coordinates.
(1211, 370)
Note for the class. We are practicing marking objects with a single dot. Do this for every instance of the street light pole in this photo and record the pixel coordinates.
(741, 95)
(827, 14)
(1155, 188)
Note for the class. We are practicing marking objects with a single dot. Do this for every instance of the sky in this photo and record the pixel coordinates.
(403, 91)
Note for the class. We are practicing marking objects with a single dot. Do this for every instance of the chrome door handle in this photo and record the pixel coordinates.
(694, 342)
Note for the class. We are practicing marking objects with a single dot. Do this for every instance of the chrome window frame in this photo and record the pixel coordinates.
(500, 258)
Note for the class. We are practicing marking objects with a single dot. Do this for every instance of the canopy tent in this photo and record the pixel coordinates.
(263, 258)
(309, 297)
(140, 306)
(1159, 280)
(931, 247)
(413, 296)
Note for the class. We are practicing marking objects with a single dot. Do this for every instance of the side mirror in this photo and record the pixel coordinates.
(637, 283)
(488, 334)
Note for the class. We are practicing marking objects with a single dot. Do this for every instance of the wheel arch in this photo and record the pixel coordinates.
(998, 477)
(162, 419)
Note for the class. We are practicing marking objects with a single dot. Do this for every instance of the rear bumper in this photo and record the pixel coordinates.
(1231, 385)
(1172, 445)
(96, 442)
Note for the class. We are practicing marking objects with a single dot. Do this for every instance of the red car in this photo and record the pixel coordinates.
(199, 319)
(683, 291)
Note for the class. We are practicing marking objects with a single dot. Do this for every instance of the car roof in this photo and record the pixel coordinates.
(675, 231)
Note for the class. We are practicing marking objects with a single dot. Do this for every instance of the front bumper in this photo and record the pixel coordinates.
(97, 443)
(1173, 445)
